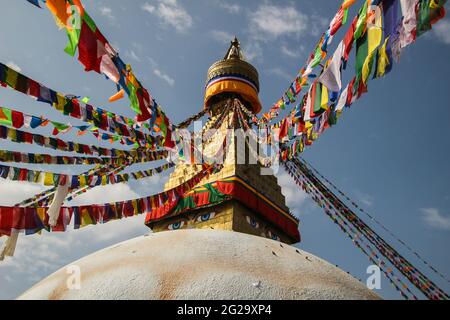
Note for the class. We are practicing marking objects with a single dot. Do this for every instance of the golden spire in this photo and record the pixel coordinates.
(234, 75)
(234, 52)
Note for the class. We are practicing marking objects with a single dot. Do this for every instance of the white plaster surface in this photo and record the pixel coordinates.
(202, 264)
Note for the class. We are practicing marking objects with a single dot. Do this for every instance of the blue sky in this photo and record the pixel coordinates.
(390, 151)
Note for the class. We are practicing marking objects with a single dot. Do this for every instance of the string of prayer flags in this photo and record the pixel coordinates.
(19, 136)
(44, 198)
(34, 219)
(95, 53)
(81, 190)
(373, 53)
(33, 158)
(376, 32)
(327, 197)
(71, 106)
(316, 57)
(37, 158)
(76, 181)
(353, 234)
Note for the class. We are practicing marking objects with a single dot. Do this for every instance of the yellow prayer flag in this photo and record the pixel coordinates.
(324, 98)
(375, 33)
(60, 102)
(48, 179)
(434, 4)
(41, 212)
(83, 182)
(383, 59)
(12, 135)
(37, 177)
(86, 218)
(367, 67)
(374, 36)
(135, 206)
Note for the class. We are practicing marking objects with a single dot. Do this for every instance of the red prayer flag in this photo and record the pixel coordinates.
(87, 49)
(17, 119)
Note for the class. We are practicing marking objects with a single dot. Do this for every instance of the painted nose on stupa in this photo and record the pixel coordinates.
(233, 76)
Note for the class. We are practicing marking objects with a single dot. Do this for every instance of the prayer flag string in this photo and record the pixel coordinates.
(417, 278)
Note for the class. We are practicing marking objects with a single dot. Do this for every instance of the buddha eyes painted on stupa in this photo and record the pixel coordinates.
(273, 236)
(251, 221)
(206, 217)
(186, 223)
(176, 226)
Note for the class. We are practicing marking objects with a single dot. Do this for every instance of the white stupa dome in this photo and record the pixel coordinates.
(202, 264)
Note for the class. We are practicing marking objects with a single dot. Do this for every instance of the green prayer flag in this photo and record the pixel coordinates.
(72, 45)
(423, 17)
(86, 100)
(134, 99)
(16, 174)
(60, 126)
(317, 56)
(344, 20)
(5, 117)
(89, 22)
(362, 51)
(318, 98)
(362, 21)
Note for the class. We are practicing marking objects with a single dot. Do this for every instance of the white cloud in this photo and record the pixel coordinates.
(295, 196)
(318, 25)
(253, 51)
(442, 31)
(365, 198)
(270, 21)
(152, 62)
(164, 77)
(221, 36)
(14, 66)
(105, 194)
(433, 218)
(13, 192)
(133, 55)
(171, 13)
(148, 7)
(107, 12)
(232, 8)
(291, 53)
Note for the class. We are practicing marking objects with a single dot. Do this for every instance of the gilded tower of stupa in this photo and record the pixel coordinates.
(239, 197)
